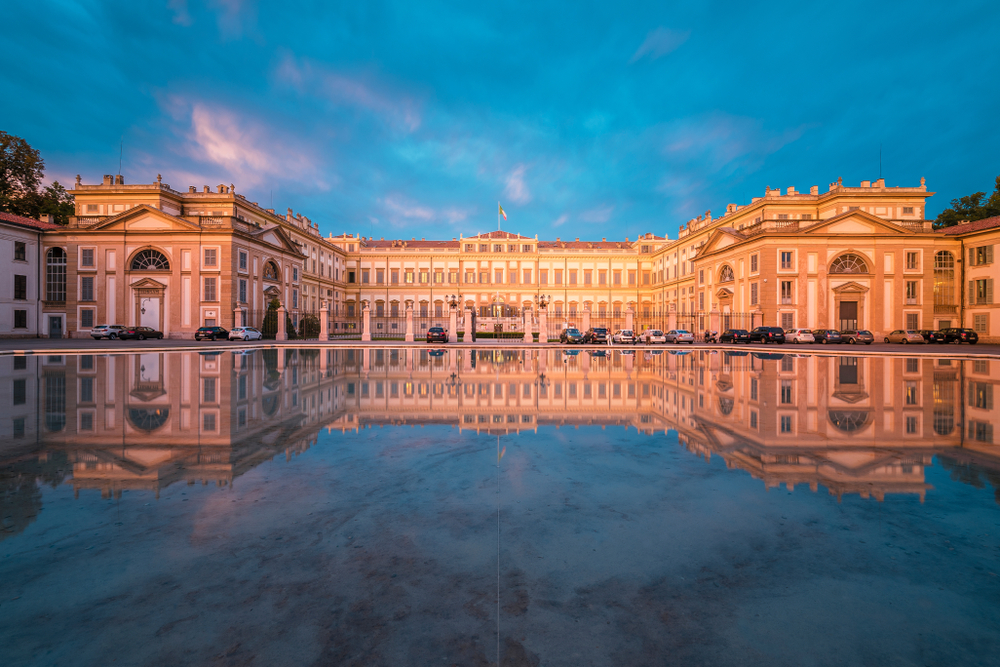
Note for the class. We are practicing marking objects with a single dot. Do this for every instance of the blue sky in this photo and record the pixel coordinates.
(592, 120)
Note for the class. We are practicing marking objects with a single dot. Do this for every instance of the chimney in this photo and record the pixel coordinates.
(109, 179)
(880, 183)
(222, 189)
(191, 188)
(866, 184)
(814, 190)
(791, 191)
(205, 188)
(119, 179)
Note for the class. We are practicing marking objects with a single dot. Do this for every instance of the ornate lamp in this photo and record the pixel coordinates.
(542, 300)
(454, 300)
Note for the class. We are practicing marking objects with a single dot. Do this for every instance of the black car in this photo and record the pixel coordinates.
(932, 336)
(735, 336)
(826, 336)
(140, 333)
(767, 335)
(571, 335)
(211, 333)
(437, 335)
(956, 335)
(596, 335)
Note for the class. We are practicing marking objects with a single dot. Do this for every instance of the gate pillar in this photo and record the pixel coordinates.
(543, 326)
(628, 317)
(409, 323)
(672, 318)
(282, 332)
(528, 338)
(713, 320)
(586, 319)
(452, 324)
(366, 326)
(467, 336)
(324, 322)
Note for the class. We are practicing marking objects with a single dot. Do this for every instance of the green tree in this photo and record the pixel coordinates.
(21, 191)
(57, 202)
(976, 206)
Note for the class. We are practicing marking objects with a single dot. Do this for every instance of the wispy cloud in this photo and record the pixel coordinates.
(601, 214)
(560, 221)
(393, 106)
(180, 10)
(400, 211)
(517, 190)
(659, 43)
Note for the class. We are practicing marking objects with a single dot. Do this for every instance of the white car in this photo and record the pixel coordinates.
(799, 336)
(109, 331)
(245, 333)
(650, 336)
(623, 336)
(679, 336)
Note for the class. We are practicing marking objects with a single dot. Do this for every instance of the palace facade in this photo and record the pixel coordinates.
(851, 257)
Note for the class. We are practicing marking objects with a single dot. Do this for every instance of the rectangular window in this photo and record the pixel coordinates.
(470, 247)
(912, 365)
(497, 247)
(365, 276)
(484, 277)
(978, 431)
(787, 321)
(87, 390)
(209, 390)
(910, 393)
(379, 276)
(86, 258)
(981, 395)
(394, 276)
(786, 292)
(20, 251)
(438, 277)
(701, 301)
(210, 293)
(87, 288)
(498, 276)
(754, 296)
(21, 287)
(87, 318)
(20, 319)
(527, 276)
(981, 255)
(211, 258)
(295, 274)
(981, 291)
(912, 321)
(912, 260)
(786, 392)
(484, 247)
(616, 278)
(408, 276)
(470, 277)
(572, 276)
(512, 247)
(782, 216)
(543, 276)
(753, 263)
(912, 425)
(525, 247)
(911, 292)
(209, 422)
(559, 277)
(907, 210)
(588, 278)
(753, 419)
(453, 277)
(512, 276)
(631, 278)
(787, 364)
(981, 323)
(20, 393)
(786, 259)
(753, 389)
(243, 290)
(243, 260)
(645, 277)
(786, 423)
(295, 298)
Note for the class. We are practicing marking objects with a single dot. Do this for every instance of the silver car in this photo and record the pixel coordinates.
(624, 336)
(679, 336)
(650, 336)
(109, 331)
(799, 336)
(245, 333)
(904, 336)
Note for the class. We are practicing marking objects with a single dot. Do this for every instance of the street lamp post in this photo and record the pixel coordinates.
(453, 301)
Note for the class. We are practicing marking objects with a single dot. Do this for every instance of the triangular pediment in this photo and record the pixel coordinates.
(723, 237)
(724, 293)
(855, 223)
(850, 287)
(277, 237)
(145, 218)
(147, 283)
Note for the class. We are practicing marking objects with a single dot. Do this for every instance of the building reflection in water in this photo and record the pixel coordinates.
(855, 425)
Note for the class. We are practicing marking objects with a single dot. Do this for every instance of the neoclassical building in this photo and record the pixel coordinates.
(850, 257)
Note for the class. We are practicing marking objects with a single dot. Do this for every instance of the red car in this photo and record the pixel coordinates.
(140, 333)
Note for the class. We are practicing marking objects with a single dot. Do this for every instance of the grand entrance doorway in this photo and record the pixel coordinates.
(848, 315)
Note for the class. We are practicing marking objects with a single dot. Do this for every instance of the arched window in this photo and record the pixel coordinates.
(148, 419)
(271, 272)
(849, 263)
(726, 274)
(944, 279)
(150, 260)
(55, 275)
(849, 421)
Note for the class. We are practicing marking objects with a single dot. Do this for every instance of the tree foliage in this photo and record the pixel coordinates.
(21, 190)
(976, 206)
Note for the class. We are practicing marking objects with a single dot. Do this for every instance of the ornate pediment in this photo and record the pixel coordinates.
(148, 286)
(145, 218)
(724, 293)
(274, 235)
(850, 288)
(855, 223)
(723, 237)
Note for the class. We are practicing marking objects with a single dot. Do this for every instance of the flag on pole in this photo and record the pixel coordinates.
(502, 212)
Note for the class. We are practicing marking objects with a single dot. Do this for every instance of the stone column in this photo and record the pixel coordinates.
(672, 318)
(543, 361)
(585, 362)
(543, 325)
(467, 336)
(409, 323)
(586, 319)
(324, 322)
(324, 361)
(366, 361)
(467, 360)
(714, 320)
(282, 332)
(453, 360)
(628, 317)
(237, 312)
(528, 338)
(452, 324)
(366, 327)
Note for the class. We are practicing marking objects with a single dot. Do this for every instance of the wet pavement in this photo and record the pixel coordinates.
(388, 507)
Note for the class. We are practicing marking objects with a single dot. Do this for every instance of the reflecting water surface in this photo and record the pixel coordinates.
(416, 506)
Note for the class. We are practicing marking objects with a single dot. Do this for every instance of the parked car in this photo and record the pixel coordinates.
(735, 336)
(931, 336)
(623, 336)
(245, 333)
(679, 336)
(799, 336)
(596, 335)
(827, 336)
(437, 335)
(956, 335)
(767, 335)
(571, 335)
(855, 336)
(140, 333)
(210, 333)
(904, 336)
(110, 331)
(650, 336)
